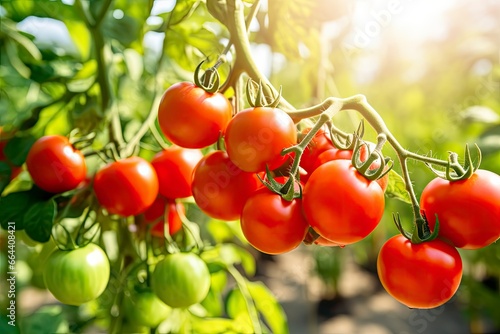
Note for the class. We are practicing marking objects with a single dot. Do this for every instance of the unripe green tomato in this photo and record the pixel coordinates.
(77, 276)
(145, 309)
(181, 280)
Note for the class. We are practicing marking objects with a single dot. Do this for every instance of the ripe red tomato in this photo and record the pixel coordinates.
(255, 138)
(468, 210)
(272, 224)
(220, 188)
(126, 187)
(340, 204)
(14, 170)
(174, 167)
(155, 212)
(191, 117)
(424, 275)
(320, 143)
(55, 165)
(171, 216)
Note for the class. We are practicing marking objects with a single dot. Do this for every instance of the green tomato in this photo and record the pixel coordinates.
(181, 280)
(145, 309)
(77, 276)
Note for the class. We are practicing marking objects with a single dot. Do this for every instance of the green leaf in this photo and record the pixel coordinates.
(5, 172)
(231, 254)
(15, 205)
(47, 319)
(7, 328)
(216, 325)
(396, 188)
(39, 220)
(489, 141)
(80, 36)
(17, 149)
(213, 304)
(268, 307)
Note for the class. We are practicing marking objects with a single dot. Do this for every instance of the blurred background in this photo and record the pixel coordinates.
(430, 68)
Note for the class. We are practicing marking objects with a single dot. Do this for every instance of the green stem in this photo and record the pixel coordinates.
(242, 285)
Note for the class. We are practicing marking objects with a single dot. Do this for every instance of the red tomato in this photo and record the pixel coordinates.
(340, 204)
(55, 165)
(174, 167)
(271, 224)
(220, 188)
(325, 242)
(126, 187)
(156, 211)
(321, 142)
(424, 275)
(191, 117)
(171, 214)
(255, 138)
(468, 210)
(14, 170)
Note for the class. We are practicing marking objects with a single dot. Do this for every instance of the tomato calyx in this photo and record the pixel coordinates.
(289, 190)
(210, 80)
(454, 171)
(421, 231)
(258, 99)
(79, 141)
(367, 168)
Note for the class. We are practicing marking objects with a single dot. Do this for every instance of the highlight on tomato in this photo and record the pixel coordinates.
(126, 187)
(174, 167)
(77, 276)
(220, 188)
(342, 205)
(468, 210)
(55, 165)
(424, 275)
(256, 136)
(190, 117)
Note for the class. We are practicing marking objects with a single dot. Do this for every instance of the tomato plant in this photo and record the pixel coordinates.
(77, 276)
(181, 280)
(272, 224)
(55, 165)
(255, 138)
(174, 167)
(424, 275)
(191, 117)
(126, 187)
(468, 210)
(220, 188)
(341, 204)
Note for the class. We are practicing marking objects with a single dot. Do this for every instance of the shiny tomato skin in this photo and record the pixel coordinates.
(155, 212)
(423, 276)
(320, 143)
(181, 280)
(174, 167)
(255, 138)
(220, 188)
(172, 212)
(190, 117)
(77, 276)
(126, 187)
(340, 204)
(55, 165)
(468, 210)
(272, 224)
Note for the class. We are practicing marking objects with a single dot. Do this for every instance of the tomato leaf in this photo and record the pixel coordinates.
(396, 188)
(15, 205)
(268, 307)
(216, 325)
(5, 172)
(47, 319)
(39, 220)
(17, 149)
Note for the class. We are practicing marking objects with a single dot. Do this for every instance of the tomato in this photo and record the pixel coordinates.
(191, 117)
(14, 170)
(171, 215)
(340, 204)
(145, 309)
(77, 276)
(468, 210)
(272, 224)
(126, 187)
(220, 188)
(255, 138)
(181, 280)
(174, 167)
(424, 275)
(156, 211)
(319, 143)
(321, 241)
(55, 165)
